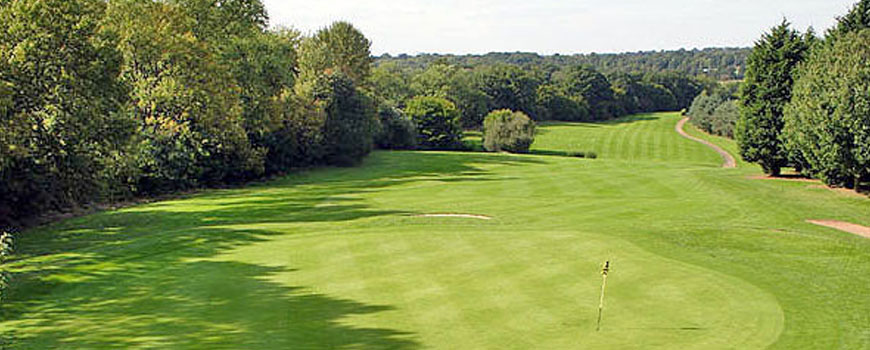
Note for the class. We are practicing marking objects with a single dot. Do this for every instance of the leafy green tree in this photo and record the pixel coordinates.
(508, 87)
(349, 126)
(554, 104)
(506, 130)
(396, 131)
(828, 118)
(684, 88)
(768, 87)
(300, 141)
(60, 98)
(263, 66)
(590, 85)
(219, 20)
(437, 122)
(340, 47)
(391, 84)
(186, 105)
(458, 86)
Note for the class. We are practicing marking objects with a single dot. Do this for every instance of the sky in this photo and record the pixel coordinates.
(555, 26)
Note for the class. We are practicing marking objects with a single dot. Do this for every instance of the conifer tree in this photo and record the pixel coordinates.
(763, 96)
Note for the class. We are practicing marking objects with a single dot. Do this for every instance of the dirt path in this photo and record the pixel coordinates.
(862, 231)
(729, 161)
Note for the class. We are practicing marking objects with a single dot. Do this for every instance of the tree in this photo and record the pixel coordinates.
(508, 87)
(682, 87)
(856, 20)
(263, 65)
(437, 122)
(769, 78)
(506, 130)
(340, 47)
(592, 87)
(219, 20)
(349, 126)
(828, 118)
(187, 106)
(391, 84)
(456, 85)
(396, 131)
(554, 104)
(60, 97)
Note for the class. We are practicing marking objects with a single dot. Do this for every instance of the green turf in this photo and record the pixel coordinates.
(704, 258)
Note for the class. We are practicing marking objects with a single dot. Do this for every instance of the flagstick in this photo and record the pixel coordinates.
(603, 286)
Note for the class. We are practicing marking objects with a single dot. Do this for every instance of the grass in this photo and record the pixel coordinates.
(703, 258)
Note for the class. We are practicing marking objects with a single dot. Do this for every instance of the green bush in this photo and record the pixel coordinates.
(396, 131)
(437, 122)
(506, 130)
(350, 124)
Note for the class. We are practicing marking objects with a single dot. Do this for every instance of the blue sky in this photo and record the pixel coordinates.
(555, 26)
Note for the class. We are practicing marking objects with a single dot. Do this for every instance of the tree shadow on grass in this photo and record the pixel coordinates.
(165, 304)
(145, 277)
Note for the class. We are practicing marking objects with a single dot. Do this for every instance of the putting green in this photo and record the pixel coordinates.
(703, 258)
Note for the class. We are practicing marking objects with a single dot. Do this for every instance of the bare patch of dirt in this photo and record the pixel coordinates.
(859, 230)
(729, 161)
(844, 191)
(464, 216)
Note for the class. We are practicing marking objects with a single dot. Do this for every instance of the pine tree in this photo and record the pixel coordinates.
(763, 96)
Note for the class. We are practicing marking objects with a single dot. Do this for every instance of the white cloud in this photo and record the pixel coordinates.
(550, 26)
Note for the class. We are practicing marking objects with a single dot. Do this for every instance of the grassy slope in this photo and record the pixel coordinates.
(703, 257)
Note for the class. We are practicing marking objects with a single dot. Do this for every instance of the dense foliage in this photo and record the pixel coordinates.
(395, 130)
(107, 100)
(828, 121)
(544, 92)
(437, 121)
(506, 130)
(715, 63)
(821, 125)
(716, 111)
(765, 92)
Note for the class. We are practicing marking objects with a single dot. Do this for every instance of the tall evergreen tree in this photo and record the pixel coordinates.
(856, 20)
(769, 78)
(828, 119)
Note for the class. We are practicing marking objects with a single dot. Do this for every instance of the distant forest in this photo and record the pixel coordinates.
(717, 63)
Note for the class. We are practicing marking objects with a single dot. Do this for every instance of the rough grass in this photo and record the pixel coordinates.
(703, 258)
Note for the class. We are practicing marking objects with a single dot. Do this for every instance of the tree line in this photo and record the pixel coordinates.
(714, 63)
(541, 91)
(806, 101)
(111, 100)
(715, 110)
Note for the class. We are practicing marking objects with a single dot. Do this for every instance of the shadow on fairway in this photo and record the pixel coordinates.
(146, 276)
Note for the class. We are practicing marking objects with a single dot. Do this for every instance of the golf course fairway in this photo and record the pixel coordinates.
(346, 258)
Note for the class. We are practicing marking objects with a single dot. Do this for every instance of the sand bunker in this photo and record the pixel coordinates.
(859, 230)
(464, 216)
